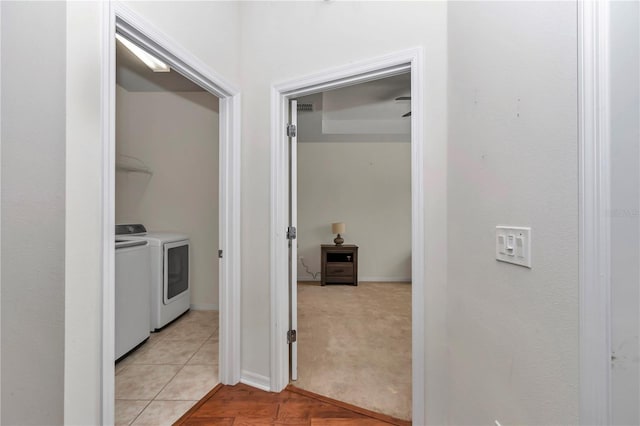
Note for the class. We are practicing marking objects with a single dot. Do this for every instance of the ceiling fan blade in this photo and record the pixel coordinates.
(407, 114)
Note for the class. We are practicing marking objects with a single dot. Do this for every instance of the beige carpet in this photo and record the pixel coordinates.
(354, 344)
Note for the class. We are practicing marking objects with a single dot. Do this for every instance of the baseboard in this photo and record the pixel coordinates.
(367, 279)
(385, 279)
(203, 307)
(255, 380)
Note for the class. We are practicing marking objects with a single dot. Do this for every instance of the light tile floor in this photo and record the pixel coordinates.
(174, 369)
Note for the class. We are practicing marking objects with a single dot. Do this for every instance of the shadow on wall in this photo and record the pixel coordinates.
(405, 265)
(131, 189)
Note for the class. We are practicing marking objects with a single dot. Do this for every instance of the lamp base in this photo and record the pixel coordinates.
(338, 240)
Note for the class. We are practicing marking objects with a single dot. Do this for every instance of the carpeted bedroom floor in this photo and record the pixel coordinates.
(354, 344)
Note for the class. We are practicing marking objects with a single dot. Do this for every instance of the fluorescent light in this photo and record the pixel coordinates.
(149, 60)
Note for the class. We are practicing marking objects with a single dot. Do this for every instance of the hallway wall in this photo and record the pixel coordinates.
(216, 46)
(32, 348)
(532, 48)
(513, 150)
(625, 211)
(317, 36)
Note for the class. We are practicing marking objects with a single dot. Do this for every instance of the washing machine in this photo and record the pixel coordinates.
(132, 303)
(170, 294)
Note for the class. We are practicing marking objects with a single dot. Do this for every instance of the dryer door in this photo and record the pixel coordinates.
(176, 270)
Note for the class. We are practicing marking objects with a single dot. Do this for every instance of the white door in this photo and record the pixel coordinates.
(292, 131)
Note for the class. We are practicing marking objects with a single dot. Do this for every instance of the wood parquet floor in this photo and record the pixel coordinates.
(244, 405)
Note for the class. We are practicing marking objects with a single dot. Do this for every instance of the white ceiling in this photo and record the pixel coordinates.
(366, 112)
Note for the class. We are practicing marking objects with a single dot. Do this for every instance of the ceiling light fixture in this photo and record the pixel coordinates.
(149, 60)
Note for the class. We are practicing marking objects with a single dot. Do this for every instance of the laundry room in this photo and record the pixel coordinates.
(166, 195)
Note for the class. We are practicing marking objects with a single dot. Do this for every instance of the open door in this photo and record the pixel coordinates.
(292, 132)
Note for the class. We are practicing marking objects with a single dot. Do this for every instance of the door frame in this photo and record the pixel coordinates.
(594, 212)
(125, 21)
(293, 246)
(410, 60)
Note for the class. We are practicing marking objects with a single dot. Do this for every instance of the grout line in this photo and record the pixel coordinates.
(169, 381)
(141, 411)
(158, 340)
(199, 347)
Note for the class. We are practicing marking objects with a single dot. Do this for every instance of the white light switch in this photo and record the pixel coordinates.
(513, 245)
(511, 242)
(520, 251)
(502, 241)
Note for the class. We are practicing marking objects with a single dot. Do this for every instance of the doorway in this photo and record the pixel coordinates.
(391, 65)
(167, 144)
(128, 24)
(353, 173)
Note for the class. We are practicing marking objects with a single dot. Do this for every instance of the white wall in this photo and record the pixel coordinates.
(525, 347)
(286, 40)
(33, 229)
(176, 136)
(210, 31)
(625, 216)
(513, 331)
(368, 187)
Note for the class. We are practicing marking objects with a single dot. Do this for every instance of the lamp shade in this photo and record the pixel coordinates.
(337, 228)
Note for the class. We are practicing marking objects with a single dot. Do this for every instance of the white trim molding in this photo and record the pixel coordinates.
(119, 18)
(384, 279)
(203, 307)
(359, 72)
(255, 380)
(0, 205)
(108, 127)
(594, 202)
(364, 279)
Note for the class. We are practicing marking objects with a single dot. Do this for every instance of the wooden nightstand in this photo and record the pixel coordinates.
(339, 264)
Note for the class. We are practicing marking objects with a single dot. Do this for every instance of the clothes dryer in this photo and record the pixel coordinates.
(170, 294)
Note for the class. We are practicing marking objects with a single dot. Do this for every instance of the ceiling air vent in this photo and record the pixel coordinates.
(305, 107)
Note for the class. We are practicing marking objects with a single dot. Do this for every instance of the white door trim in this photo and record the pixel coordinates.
(594, 205)
(359, 72)
(134, 27)
(0, 203)
(293, 249)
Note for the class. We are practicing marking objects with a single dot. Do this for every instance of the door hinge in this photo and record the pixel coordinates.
(220, 254)
(291, 233)
(291, 336)
(292, 130)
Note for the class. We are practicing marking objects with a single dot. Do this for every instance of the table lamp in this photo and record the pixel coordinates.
(338, 228)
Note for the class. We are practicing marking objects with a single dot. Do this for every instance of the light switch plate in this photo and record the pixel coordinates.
(513, 245)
